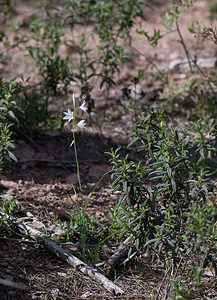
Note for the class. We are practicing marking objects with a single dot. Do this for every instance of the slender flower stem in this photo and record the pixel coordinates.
(93, 190)
(75, 149)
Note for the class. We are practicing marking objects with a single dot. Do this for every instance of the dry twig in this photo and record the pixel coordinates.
(115, 260)
(68, 257)
(14, 285)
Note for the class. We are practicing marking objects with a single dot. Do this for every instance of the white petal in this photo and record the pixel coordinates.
(81, 124)
(83, 106)
(68, 115)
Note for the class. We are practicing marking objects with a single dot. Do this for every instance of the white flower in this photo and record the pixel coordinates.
(68, 115)
(83, 106)
(81, 124)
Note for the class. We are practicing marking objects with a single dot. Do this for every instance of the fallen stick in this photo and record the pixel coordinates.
(14, 285)
(68, 257)
(116, 259)
(122, 250)
(53, 163)
(48, 163)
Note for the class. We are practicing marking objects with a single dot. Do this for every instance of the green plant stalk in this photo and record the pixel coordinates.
(83, 213)
(93, 190)
(75, 149)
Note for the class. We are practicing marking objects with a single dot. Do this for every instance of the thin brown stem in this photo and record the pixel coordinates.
(184, 46)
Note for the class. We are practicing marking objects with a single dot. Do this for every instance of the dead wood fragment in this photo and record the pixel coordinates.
(14, 285)
(68, 257)
(48, 163)
(115, 260)
(52, 163)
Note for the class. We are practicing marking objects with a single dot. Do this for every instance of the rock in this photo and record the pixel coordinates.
(86, 295)
(41, 194)
(55, 293)
(53, 133)
(207, 63)
(29, 214)
(7, 197)
(182, 64)
(177, 63)
(8, 183)
(136, 92)
(51, 228)
(55, 230)
(36, 225)
(48, 188)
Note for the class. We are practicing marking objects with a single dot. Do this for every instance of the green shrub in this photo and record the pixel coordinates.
(8, 110)
(163, 199)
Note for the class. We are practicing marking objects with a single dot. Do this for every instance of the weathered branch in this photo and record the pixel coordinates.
(115, 260)
(68, 257)
(14, 285)
(52, 163)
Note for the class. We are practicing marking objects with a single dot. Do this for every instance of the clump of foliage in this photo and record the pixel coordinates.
(194, 96)
(8, 109)
(164, 200)
(44, 34)
(212, 9)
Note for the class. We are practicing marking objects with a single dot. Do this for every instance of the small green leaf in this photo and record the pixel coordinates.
(12, 156)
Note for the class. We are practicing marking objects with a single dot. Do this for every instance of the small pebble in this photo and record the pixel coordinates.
(41, 193)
